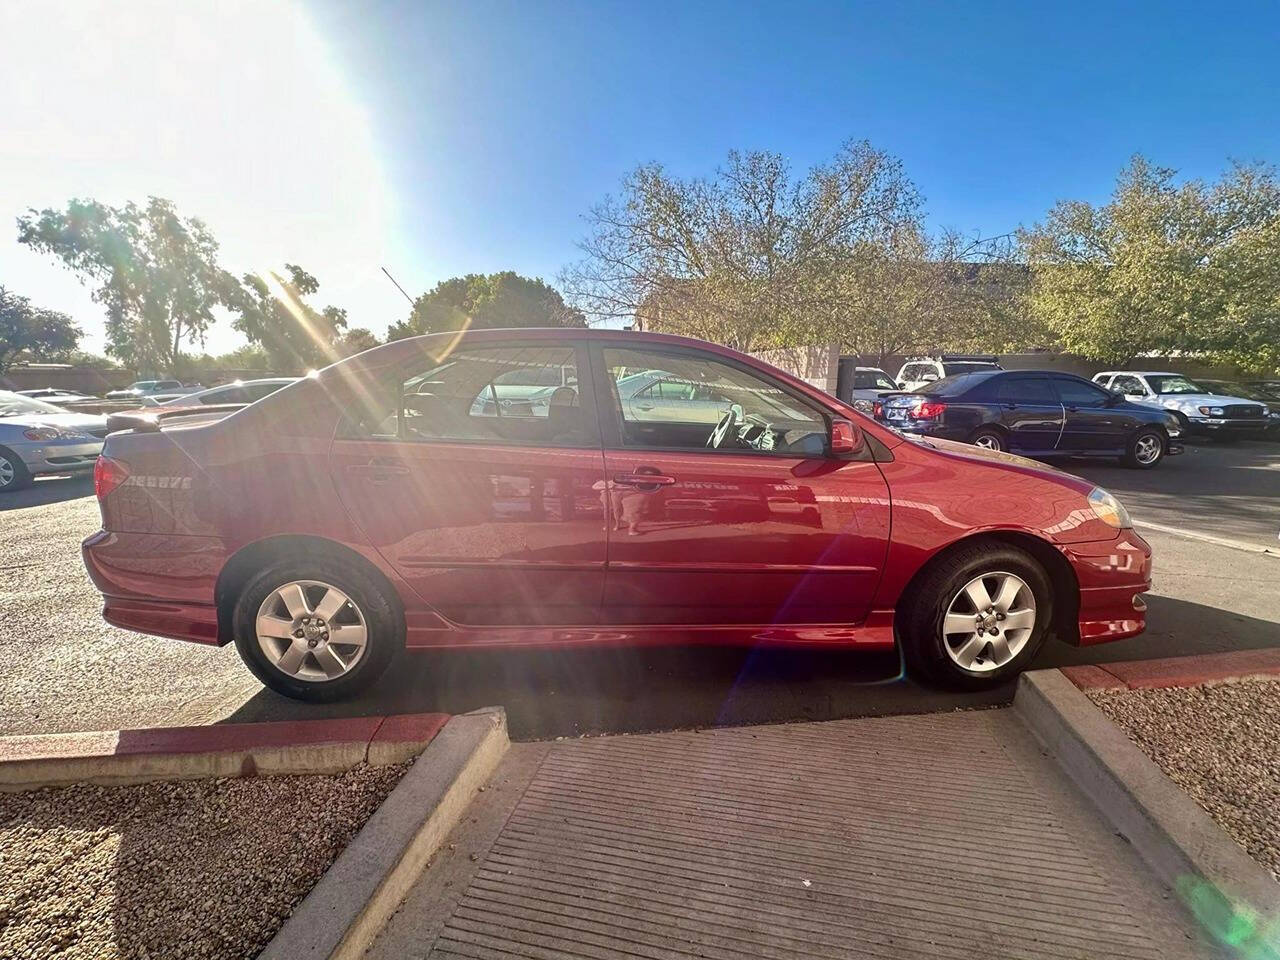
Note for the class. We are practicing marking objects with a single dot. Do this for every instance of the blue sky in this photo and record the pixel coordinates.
(473, 136)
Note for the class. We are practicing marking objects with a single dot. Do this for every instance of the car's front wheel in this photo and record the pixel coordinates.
(316, 630)
(1146, 449)
(977, 617)
(13, 472)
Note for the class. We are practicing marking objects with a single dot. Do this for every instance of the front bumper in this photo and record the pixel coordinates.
(1113, 575)
(57, 456)
(1222, 426)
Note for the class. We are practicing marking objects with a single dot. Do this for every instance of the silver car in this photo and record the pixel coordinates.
(36, 437)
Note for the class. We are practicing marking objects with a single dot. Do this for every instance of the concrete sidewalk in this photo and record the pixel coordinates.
(926, 836)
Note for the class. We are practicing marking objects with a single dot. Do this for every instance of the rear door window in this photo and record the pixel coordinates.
(510, 395)
(1033, 391)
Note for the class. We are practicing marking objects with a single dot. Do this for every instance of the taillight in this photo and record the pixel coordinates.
(107, 475)
(877, 409)
(928, 410)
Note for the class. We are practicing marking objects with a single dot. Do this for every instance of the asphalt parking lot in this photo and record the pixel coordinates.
(65, 669)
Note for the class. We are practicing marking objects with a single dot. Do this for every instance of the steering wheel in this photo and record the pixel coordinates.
(728, 423)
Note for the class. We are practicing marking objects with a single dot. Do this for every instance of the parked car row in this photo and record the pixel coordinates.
(1139, 417)
(42, 432)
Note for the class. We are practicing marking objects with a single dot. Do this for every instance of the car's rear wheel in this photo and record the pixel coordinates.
(316, 630)
(989, 439)
(14, 474)
(977, 617)
(1146, 449)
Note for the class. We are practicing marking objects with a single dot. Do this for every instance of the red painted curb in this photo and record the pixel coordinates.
(220, 738)
(1176, 671)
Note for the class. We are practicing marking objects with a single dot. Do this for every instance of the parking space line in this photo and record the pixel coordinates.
(1208, 538)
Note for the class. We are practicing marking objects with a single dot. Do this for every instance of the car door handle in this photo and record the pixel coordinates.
(642, 480)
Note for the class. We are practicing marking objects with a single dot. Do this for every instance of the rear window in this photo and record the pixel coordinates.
(957, 369)
(952, 386)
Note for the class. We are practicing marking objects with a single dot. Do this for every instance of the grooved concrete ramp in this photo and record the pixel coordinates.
(940, 836)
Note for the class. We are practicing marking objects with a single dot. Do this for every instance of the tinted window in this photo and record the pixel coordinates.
(955, 369)
(704, 390)
(1029, 390)
(235, 394)
(1079, 393)
(503, 395)
(952, 386)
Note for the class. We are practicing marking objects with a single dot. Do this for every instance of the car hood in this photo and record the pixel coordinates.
(1205, 399)
(67, 421)
(982, 454)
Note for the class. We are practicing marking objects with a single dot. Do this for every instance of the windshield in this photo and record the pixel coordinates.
(16, 405)
(1173, 384)
(873, 380)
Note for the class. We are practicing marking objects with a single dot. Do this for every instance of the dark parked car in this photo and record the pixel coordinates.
(381, 504)
(1036, 414)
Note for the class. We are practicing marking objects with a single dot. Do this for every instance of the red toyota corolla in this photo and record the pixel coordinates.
(556, 487)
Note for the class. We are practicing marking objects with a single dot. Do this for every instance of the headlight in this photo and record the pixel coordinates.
(53, 433)
(1108, 509)
(1211, 411)
(866, 406)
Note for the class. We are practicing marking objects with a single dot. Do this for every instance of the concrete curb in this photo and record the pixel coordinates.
(344, 912)
(220, 750)
(1180, 842)
(1177, 671)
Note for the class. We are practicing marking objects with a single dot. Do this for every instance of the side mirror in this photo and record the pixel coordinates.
(844, 438)
(902, 384)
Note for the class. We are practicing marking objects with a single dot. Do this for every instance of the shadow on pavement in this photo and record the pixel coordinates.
(566, 693)
(49, 490)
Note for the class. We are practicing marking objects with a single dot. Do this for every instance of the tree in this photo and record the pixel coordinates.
(356, 340)
(1164, 268)
(27, 330)
(272, 312)
(155, 272)
(752, 257)
(487, 301)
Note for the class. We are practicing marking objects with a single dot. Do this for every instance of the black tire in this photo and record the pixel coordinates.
(383, 618)
(921, 613)
(994, 437)
(1135, 454)
(19, 477)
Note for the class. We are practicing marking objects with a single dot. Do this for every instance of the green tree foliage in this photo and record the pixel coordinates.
(154, 271)
(486, 301)
(1164, 267)
(27, 331)
(273, 313)
(756, 257)
(356, 340)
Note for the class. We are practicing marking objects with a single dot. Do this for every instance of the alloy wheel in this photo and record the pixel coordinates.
(7, 472)
(1147, 449)
(988, 441)
(311, 631)
(989, 622)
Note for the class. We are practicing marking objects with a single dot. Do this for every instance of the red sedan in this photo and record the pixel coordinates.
(566, 487)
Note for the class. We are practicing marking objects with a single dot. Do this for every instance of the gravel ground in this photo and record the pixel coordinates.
(1221, 744)
(194, 868)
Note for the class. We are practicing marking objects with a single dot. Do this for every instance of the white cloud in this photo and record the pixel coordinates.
(234, 110)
